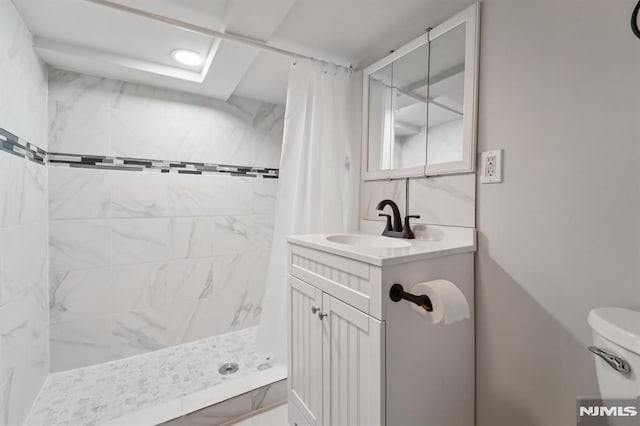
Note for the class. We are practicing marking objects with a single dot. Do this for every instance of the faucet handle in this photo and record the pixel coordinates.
(408, 233)
(388, 216)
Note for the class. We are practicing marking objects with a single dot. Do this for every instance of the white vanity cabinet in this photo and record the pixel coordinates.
(333, 346)
(358, 358)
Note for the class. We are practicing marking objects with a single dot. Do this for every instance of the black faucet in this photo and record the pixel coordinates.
(396, 230)
(397, 222)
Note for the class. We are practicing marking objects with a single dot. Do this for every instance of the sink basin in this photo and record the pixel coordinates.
(368, 241)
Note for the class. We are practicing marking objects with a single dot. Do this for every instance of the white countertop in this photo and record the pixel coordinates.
(433, 241)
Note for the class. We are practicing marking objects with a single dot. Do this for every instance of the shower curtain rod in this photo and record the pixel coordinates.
(233, 38)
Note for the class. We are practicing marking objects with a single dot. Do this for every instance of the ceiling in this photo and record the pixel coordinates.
(81, 36)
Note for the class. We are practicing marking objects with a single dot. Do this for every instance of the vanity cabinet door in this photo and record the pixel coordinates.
(305, 352)
(353, 373)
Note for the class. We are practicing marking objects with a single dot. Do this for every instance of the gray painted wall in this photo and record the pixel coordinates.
(560, 92)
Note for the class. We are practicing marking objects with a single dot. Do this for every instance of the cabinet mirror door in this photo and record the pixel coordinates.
(398, 114)
(452, 94)
(380, 119)
(410, 74)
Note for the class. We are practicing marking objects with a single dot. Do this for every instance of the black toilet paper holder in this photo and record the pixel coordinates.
(397, 293)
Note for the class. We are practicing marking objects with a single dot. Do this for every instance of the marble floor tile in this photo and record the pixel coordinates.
(100, 394)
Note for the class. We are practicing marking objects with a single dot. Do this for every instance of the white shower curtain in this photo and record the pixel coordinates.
(319, 178)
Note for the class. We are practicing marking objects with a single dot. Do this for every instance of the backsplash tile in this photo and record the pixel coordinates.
(444, 200)
(372, 192)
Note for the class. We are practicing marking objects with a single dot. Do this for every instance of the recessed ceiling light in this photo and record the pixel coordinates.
(187, 57)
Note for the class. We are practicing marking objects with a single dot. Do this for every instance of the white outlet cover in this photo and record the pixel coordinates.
(491, 166)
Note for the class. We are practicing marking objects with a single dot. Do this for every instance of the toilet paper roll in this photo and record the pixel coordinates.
(447, 299)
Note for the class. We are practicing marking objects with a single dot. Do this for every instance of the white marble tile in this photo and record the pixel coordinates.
(265, 192)
(150, 329)
(264, 377)
(210, 195)
(213, 315)
(232, 273)
(277, 416)
(34, 196)
(444, 200)
(141, 286)
(262, 235)
(147, 122)
(23, 191)
(140, 240)
(79, 244)
(267, 121)
(79, 113)
(23, 110)
(193, 237)
(23, 201)
(78, 294)
(244, 275)
(218, 124)
(79, 193)
(190, 279)
(80, 343)
(270, 122)
(12, 171)
(23, 322)
(94, 115)
(12, 28)
(233, 234)
(214, 395)
(269, 394)
(217, 414)
(20, 387)
(150, 416)
(372, 192)
(137, 194)
(23, 253)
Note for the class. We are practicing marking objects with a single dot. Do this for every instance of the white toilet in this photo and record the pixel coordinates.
(616, 344)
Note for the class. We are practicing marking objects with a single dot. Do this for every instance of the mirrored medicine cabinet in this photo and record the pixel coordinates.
(419, 104)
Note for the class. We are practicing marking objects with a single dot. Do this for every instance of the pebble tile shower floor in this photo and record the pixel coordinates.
(96, 394)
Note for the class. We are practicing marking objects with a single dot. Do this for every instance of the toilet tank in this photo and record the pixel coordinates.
(617, 331)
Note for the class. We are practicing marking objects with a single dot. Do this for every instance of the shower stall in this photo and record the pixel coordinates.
(135, 241)
(161, 208)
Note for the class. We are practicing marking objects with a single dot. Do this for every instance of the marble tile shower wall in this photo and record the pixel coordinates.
(98, 116)
(141, 261)
(24, 340)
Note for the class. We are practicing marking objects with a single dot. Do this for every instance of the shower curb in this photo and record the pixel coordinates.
(237, 408)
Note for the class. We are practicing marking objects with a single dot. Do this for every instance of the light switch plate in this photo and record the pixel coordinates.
(491, 166)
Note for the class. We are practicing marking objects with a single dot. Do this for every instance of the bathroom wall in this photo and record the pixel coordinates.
(142, 260)
(560, 93)
(24, 357)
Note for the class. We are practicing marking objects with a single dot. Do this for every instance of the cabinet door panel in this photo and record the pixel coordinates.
(305, 350)
(352, 366)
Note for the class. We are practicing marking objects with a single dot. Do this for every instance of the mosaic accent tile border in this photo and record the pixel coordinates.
(160, 166)
(12, 144)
